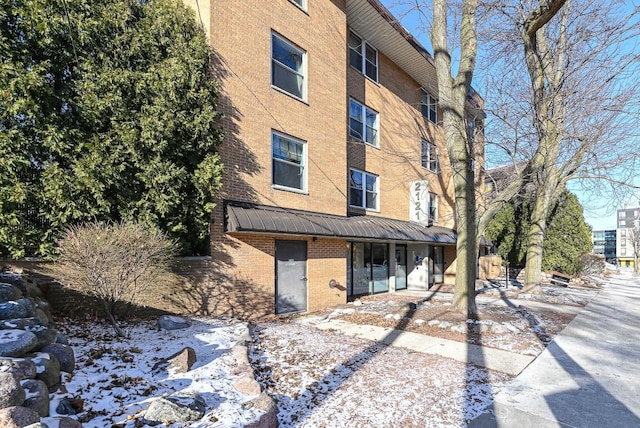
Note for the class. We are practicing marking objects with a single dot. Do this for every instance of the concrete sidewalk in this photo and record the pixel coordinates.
(589, 376)
(491, 358)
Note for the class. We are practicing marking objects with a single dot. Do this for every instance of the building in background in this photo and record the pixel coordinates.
(604, 243)
(336, 180)
(628, 228)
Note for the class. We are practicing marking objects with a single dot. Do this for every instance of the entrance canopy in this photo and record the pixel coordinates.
(253, 218)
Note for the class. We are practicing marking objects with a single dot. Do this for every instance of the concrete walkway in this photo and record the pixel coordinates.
(495, 359)
(589, 376)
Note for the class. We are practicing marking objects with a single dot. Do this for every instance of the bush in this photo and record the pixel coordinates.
(115, 262)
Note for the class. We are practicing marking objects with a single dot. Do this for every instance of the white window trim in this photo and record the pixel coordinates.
(363, 120)
(363, 53)
(435, 148)
(430, 99)
(364, 190)
(303, 73)
(303, 164)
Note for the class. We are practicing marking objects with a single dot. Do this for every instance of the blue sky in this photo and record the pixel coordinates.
(599, 212)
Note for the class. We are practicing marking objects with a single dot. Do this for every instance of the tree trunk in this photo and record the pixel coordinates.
(452, 99)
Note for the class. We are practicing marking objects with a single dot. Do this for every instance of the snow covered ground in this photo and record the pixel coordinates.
(116, 380)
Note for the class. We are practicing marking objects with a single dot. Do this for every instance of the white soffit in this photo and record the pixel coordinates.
(367, 21)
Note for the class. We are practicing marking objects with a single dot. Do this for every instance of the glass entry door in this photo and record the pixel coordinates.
(369, 268)
(436, 265)
(401, 267)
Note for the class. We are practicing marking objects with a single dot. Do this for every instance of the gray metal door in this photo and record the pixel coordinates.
(291, 276)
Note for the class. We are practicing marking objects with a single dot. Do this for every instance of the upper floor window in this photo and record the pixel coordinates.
(288, 162)
(363, 123)
(621, 214)
(288, 67)
(363, 190)
(433, 207)
(363, 57)
(622, 223)
(429, 106)
(429, 156)
(302, 4)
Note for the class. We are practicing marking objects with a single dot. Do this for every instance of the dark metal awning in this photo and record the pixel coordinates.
(253, 218)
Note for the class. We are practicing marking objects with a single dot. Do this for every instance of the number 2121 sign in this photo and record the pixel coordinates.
(419, 202)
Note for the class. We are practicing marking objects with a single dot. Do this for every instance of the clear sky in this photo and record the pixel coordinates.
(599, 212)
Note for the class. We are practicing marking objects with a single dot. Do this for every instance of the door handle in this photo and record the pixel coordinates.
(304, 278)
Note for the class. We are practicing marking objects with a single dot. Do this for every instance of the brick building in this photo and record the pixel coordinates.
(336, 181)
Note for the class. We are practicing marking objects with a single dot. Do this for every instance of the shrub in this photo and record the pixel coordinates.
(115, 262)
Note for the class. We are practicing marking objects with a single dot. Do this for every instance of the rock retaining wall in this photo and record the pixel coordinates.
(33, 354)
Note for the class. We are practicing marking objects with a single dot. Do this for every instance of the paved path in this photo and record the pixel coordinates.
(589, 376)
(495, 359)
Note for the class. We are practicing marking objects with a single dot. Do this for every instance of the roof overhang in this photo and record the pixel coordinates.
(372, 21)
(242, 217)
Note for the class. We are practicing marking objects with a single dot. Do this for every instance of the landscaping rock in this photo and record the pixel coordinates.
(18, 417)
(65, 407)
(247, 385)
(21, 308)
(11, 392)
(37, 396)
(45, 335)
(407, 307)
(269, 419)
(182, 361)
(9, 292)
(19, 323)
(61, 338)
(37, 425)
(170, 322)
(178, 407)
(47, 368)
(65, 422)
(64, 354)
(20, 368)
(16, 343)
(42, 316)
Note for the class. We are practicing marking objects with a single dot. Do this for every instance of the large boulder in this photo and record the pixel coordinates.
(44, 334)
(64, 354)
(171, 322)
(178, 407)
(9, 292)
(16, 343)
(21, 308)
(47, 368)
(37, 396)
(269, 419)
(20, 368)
(18, 417)
(11, 392)
(19, 323)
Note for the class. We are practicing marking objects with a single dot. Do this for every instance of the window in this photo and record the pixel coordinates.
(623, 242)
(287, 67)
(363, 57)
(433, 208)
(363, 190)
(621, 214)
(302, 4)
(429, 107)
(429, 156)
(623, 233)
(288, 162)
(363, 123)
(622, 223)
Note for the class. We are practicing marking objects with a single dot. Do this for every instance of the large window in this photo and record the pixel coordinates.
(363, 190)
(429, 107)
(289, 161)
(363, 123)
(429, 156)
(363, 57)
(288, 67)
(433, 208)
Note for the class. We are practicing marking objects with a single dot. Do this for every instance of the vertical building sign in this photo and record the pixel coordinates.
(419, 202)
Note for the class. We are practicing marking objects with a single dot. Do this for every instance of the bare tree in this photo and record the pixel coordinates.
(575, 120)
(472, 214)
(634, 238)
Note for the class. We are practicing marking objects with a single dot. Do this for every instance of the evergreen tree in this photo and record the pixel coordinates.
(107, 112)
(568, 236)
